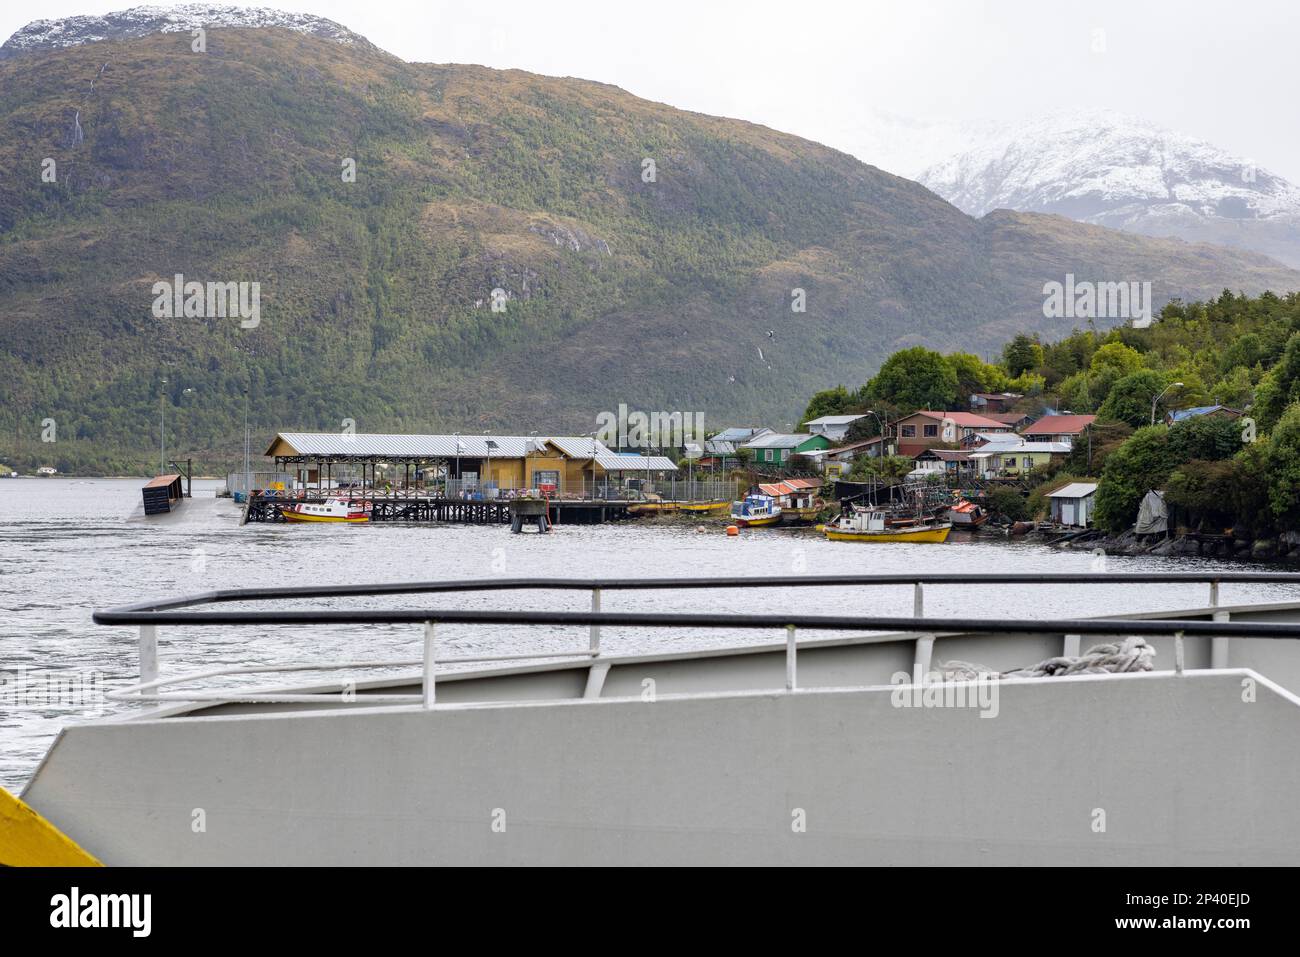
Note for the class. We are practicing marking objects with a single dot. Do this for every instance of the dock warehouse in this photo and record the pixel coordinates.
(568, 463)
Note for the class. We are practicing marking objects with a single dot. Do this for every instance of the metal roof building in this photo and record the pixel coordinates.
(338, 447)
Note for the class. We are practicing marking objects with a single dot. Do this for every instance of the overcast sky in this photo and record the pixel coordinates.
(854, 74)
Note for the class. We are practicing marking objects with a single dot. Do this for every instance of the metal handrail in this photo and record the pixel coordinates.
(150, 614)
(136, 613)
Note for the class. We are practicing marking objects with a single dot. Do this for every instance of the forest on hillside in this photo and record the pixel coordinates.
(1239, 351)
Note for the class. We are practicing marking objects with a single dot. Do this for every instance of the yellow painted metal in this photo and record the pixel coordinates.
(307, 517)
(28, 840)
(939, 534)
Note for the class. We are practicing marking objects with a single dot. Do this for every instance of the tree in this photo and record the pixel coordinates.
(1203, 437)
(975, 375)
(1139, 465)
(1116, 357)
(1280, 387)
(916, 378)
(1204, 490)
(1130, 398)
(1284, 469)
(891, 468)
(1006, 502)
(828, 402)
(1022, 354)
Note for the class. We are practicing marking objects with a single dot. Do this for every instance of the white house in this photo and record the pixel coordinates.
(834, 427)
(1072, 505)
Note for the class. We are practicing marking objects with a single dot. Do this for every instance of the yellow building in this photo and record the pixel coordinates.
(565, 464)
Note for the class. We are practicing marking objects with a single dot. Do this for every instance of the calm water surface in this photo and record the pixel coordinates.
(68, 546)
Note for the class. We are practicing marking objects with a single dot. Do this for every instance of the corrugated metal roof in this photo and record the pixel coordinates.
(371, 445)
(1075, 490)
(1060, 425)
(835, 419)
(1181, 415)
(616, 462)
(778, 440)
(580, 448)
(1002, 448)
(740, 434)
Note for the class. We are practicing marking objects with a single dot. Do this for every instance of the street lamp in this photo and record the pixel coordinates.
(1156, 400)
(487, 482)
(880, 422)
(456, 435)
(529, 446)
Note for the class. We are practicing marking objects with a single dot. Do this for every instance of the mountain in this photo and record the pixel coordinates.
(1112, 170)
(669, 292)
(142, 21)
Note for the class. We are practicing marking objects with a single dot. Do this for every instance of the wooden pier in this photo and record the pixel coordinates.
(455, 511)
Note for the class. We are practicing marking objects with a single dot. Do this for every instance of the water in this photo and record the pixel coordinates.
(68, 546)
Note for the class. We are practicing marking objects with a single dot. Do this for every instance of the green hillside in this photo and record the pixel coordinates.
(376, 294)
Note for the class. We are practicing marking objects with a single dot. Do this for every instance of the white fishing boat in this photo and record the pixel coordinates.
(755, 511)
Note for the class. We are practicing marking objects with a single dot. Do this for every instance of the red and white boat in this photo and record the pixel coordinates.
(966, 514)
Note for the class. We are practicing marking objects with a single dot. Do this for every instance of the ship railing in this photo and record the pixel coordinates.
(149, 616)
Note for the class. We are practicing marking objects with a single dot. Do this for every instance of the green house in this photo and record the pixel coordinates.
(775, 449)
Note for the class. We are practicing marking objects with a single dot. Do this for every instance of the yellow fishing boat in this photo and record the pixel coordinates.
(708, 507)
(645, 508)
(873, 526)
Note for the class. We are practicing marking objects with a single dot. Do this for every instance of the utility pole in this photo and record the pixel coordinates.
(162, 429)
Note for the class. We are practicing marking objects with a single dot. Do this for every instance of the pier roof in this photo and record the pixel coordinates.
(341, 445)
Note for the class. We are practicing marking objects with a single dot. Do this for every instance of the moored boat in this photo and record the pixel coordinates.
(332, 510)
(756, 511)
(874, 525)
(704, 507)
(964, 514)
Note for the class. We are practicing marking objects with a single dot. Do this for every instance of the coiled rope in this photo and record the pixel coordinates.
(1130, 654)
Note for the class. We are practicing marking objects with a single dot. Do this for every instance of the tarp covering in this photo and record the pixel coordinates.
(1153, 515)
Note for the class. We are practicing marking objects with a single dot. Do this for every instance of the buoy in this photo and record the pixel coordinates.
(819, 528)
(700, 528)
(732, 530)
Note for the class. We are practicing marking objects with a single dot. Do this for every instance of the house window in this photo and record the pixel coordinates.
(1027, 463)
(547, 477)
(909, 431)
(931, 431)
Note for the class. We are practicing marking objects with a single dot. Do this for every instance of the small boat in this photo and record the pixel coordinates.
(706, 507)
(964, 514)
(873, 525)
(755, 511)
(652, 508)
(332, 510)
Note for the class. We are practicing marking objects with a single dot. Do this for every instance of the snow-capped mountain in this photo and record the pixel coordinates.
(1106, 168)
(140, 21)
